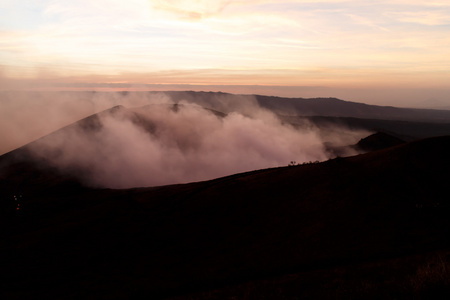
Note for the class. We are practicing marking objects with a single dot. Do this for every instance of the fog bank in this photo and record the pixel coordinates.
(149, 140)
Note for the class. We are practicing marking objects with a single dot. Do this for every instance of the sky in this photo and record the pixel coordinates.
(379, 52)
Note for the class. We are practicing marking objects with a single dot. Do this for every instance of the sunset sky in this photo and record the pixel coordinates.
(280, 47)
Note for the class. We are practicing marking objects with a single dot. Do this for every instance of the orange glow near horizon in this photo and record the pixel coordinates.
(338, 44)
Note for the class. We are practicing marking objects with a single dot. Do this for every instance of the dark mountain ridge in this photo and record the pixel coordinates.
(330, 107)
(225, 102)
(378, 141)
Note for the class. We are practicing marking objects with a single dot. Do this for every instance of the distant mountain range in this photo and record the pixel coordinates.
(325, 107)
(406, 123)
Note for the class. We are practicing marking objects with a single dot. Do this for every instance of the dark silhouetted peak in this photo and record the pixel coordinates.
(378, 141)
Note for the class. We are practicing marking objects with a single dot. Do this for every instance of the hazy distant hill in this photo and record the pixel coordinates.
(330, 107)
(406, 123)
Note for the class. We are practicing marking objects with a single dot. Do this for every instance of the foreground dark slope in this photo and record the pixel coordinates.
(311, 220)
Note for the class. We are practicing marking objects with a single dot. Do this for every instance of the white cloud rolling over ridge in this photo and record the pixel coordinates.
(160, 143)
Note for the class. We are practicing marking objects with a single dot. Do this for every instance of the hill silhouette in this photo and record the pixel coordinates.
(378, 141)
(407, 124)
(325, 107)
(364, 226)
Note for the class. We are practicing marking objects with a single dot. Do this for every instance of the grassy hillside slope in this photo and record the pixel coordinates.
(372, 214)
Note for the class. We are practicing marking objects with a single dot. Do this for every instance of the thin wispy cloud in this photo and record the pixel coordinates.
(191, 9)
(429, 18)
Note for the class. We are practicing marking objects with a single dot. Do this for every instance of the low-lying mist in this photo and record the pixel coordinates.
(153, 141)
